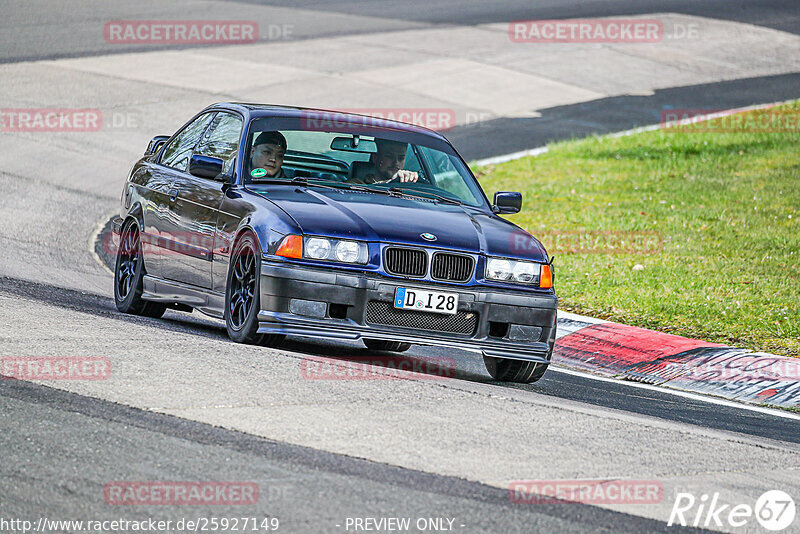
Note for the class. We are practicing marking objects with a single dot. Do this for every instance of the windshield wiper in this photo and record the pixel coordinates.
(421, 195)
(299, 180)
(391, 191)
(304, 181)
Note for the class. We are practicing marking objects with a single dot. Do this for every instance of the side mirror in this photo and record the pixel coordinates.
(205, 167)
(155, 144)
(507, 202)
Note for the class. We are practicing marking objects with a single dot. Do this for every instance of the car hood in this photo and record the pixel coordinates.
(374, 217)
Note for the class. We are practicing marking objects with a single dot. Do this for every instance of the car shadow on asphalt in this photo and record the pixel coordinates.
(363, 363)
(339, 360)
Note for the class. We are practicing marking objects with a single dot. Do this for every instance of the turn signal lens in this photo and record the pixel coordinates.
(291, 247)
(546, 277)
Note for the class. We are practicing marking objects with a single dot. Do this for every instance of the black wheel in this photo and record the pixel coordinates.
(129, 276)
(242, 297)
(391, 346)
(518, 371)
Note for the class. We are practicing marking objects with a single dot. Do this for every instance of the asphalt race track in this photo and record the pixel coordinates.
(185, 404)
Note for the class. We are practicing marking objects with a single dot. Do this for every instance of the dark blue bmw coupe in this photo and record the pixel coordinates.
(291, 221)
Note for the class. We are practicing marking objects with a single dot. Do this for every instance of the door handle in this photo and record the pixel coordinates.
(173, 195)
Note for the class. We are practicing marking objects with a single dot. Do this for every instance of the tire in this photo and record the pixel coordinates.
(129, 274)
(242, 295)
(390, 346)
(518, 371)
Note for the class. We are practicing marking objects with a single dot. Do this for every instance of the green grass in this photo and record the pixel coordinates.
(722, 208)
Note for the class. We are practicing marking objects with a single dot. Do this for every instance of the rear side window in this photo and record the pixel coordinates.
(179, 150)
(222, 139)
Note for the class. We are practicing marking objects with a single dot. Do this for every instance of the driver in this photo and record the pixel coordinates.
(386, 165)
(266, 155)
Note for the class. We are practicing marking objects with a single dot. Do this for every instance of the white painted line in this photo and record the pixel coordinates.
(726, 112)
(678, 393)
(652, 127)
(510, 157)
(93, 239)
(580, 318)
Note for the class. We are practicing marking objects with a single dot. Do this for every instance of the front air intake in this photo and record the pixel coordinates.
(406, 261)
(452, 267)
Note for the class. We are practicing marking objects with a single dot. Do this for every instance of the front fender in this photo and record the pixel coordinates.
(241, 211)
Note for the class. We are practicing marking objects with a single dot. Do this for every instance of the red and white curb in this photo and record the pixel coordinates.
(637, 354)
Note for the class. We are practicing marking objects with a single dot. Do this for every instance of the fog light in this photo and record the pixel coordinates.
(519, 332)
(309, 308)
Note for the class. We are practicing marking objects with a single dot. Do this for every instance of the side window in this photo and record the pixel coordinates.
(412, 163)
(446, 175)
(179, 150)
(222, 139)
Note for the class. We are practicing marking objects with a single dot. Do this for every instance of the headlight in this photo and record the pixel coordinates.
(498, 269)
(526, 272)
(345, 251)
(518, 272)
(318, 248)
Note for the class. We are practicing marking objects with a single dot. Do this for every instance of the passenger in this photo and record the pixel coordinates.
(385, 165)
(266, 155)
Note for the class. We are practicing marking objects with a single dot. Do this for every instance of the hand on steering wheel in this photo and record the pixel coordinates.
(404, 176)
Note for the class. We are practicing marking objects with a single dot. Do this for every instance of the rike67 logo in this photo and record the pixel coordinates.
(774, 510)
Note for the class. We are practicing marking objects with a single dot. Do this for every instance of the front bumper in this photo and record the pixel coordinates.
(325, 304)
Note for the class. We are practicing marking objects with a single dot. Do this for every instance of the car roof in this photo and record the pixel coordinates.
(272, 110)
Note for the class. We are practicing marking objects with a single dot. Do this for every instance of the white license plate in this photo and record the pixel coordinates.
(406, 298)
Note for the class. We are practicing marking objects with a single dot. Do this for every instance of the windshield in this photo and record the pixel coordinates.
(387, 162)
